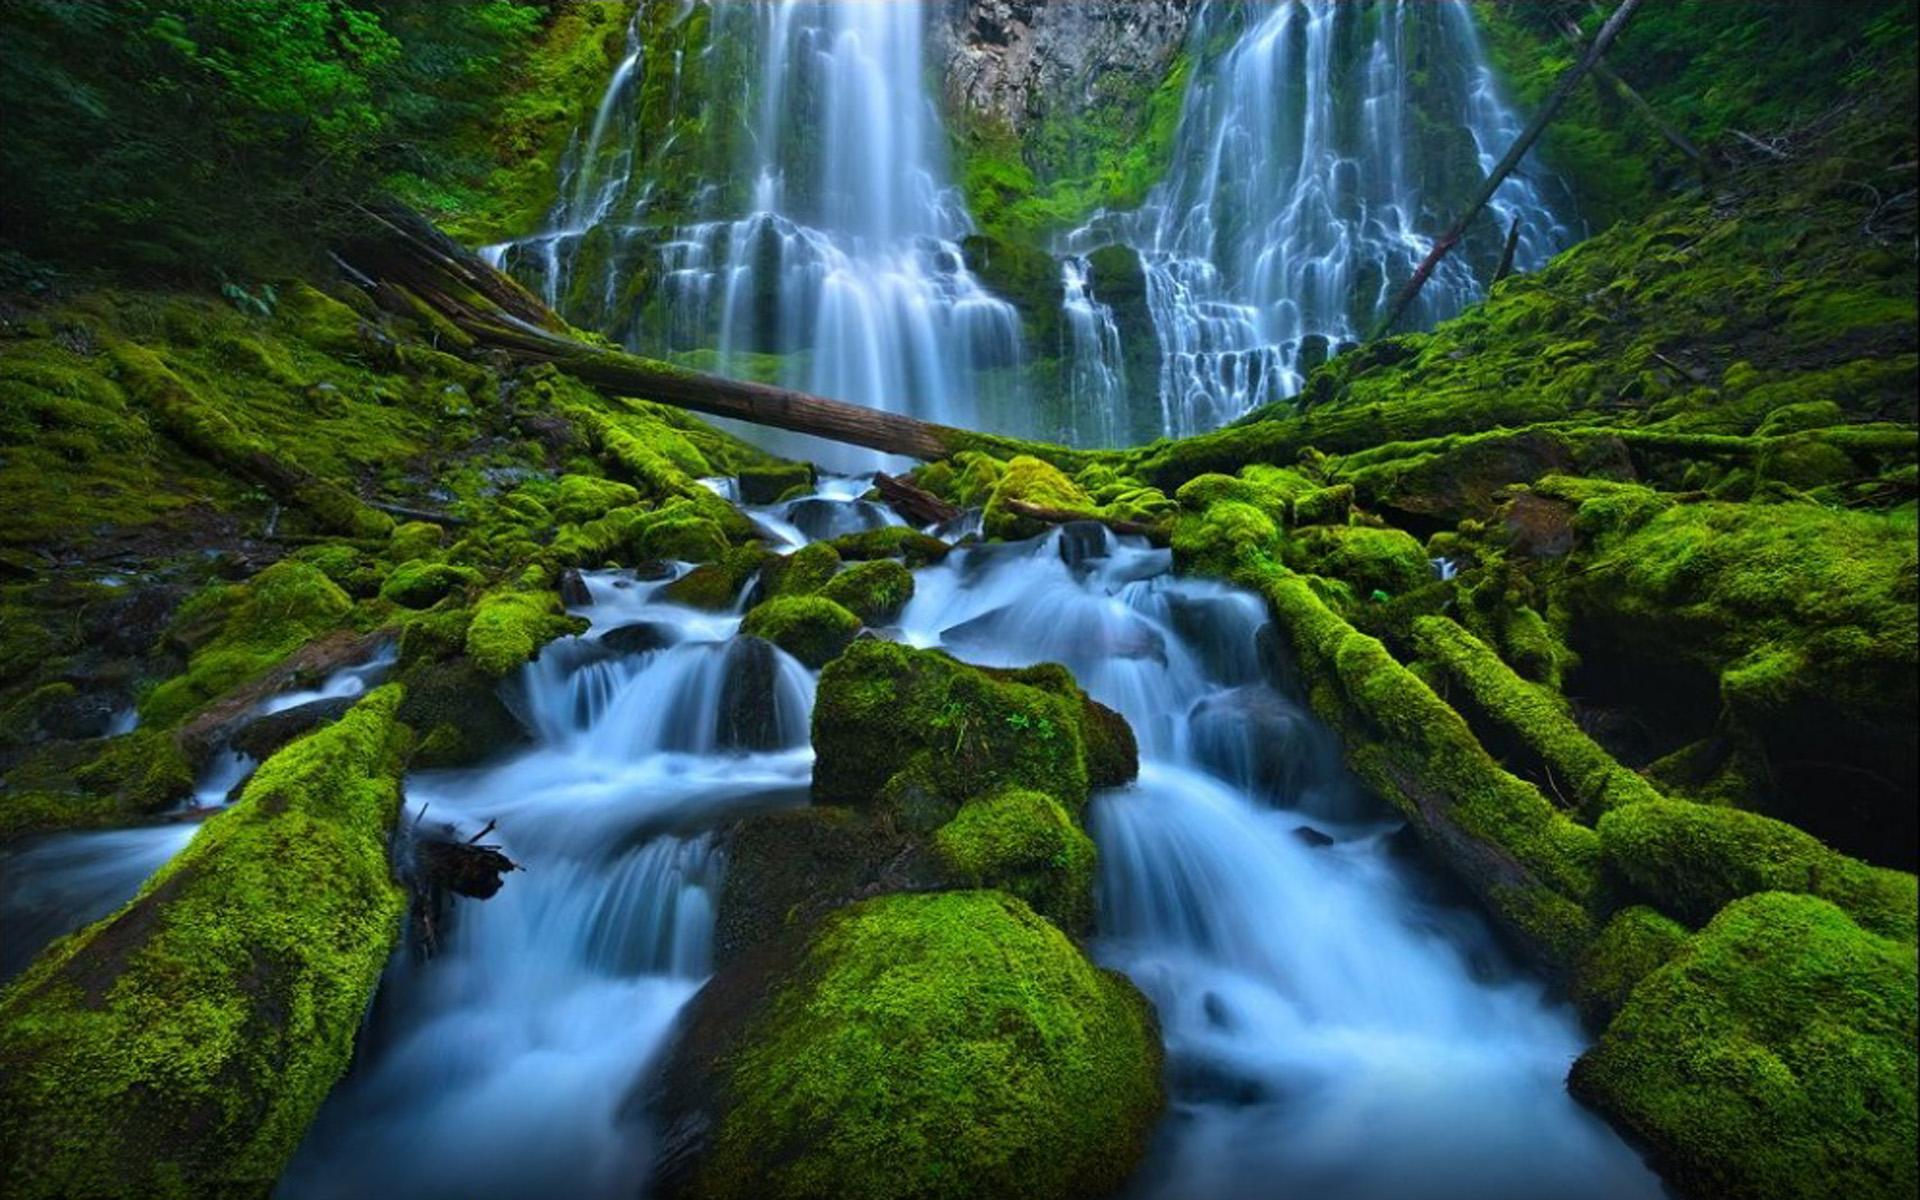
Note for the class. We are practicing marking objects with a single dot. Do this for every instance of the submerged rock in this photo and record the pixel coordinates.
(946, 1046)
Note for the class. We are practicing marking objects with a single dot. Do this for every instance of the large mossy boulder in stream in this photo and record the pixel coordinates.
(811, 628)
(939, 1046)
(917, 732)
(1773, 1058)
(181, 1046)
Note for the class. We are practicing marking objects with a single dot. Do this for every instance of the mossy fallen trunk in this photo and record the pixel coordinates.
(181, 1046)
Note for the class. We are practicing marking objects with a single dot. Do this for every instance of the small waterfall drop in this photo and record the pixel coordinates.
(1318, 154)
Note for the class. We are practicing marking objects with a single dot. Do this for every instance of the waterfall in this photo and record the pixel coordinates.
(1317, 156)
(836, 269)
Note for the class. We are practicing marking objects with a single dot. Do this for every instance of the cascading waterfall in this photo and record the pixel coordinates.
(1316, 159)
(844, 275)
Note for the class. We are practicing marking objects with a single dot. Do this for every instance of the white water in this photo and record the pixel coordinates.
(1295, 204)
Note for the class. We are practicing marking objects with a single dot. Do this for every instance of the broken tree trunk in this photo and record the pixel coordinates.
(441, 866)
(916, 504)
(1448, 240)
(1506, 254)
(404, 250)
(1063, 516)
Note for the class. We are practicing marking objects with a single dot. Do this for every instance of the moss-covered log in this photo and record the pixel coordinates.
(181, 1046)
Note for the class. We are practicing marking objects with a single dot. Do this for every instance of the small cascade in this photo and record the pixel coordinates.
(1096, 375)
(1312, 169)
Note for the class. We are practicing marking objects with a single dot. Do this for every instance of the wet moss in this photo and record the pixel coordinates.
(1773, 1056)
(510, 624)
(258, 623)
(419, 583)
(945, 1045)
(1634, 943)
(873, 591)
(1031, 481)
(1023, 843)
(1691, 860)
(771, 482)
(1374, 562)
(181, 1046)
(456, 709)
(811, 628)
(883, 709)
(715, 586)
(801, 573)
(895, 541)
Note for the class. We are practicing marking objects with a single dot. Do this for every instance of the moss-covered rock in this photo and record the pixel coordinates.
(456, 710)
(770, 482)
(181, 1046)
(801, 573)
(1031, 481)
(1772, 1057)
(420, 583)
(1691, 860)
(894, 541)
(1384, 562)
(873, 591)
(1024, 843)
(258, 623)
(885, 710)
(946, 1045)
(1633, 944)
(788, 868)
(715, 586)
(811, 628)
(510, 624)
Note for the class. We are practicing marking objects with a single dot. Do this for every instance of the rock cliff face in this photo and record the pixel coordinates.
(1015, 62)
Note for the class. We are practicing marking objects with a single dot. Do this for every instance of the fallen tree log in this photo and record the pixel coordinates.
(914, 503)
(401, 249)
(1063, 516)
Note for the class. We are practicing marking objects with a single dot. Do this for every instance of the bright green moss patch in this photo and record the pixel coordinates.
(263, 621)
(1532, 716)
(811, 628)
(801, 573)
(766, 484)
(1693, 859)
(1024, 843)
(951, 1045)
(895, 541)
(1774, 1056)
(1633, 944)
(1384, 561)
(421, 584)
(873, 591)
(181, 1046)
(510, 625)
(884, 709)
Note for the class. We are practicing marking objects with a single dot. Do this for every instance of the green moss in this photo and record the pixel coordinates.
(1386, 561)
(801, 573)
(949, 1045)
(811, 628)
(181, 1046)
(457, 710)
(420, 583)
(895, 541)
(511, 624)
(1534, 717)
(715, 586)
(1774, 1056)
(1634, 943)
(1024, 843)
(584, 498)
(677, 537)
(1041, 484)
(873, 591)
(766, 484)
(1691, 860)
(883, 709)
(261, 622)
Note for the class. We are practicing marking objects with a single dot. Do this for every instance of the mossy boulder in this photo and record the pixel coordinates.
(1691, 860)
(801, 573)
(1031, 481)
(682, 538)
(940, 731)
(1633, 944)
(893, 541)
(1371, 561)
(772, 481)
(181, 1046)
(258, 624)
(511, 623)
(811, 628)
(715, 586)
(1772, 1058)
(456, 710)
(581, 498)
(950, 1045)
(1024, 843)
(873, 591)
(421, 583)
(789, 867)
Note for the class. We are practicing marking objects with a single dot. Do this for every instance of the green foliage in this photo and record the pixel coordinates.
(941, 1046)
(156, 132)
(1691, 860)
(181, 1046)
(1773, 1057)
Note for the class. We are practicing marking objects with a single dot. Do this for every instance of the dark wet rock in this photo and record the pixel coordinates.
(1082, 541)
(820, 519)
(456, 711)
(641, 637)
(1254, 737)
(652, 570)
(749, 719)
(261, 737)
(1309, 836)
(132, 624)
(573, 589)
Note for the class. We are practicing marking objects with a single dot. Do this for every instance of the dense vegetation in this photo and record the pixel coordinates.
(1657, 719)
